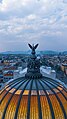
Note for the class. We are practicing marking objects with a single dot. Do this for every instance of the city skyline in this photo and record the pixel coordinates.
(33, 21)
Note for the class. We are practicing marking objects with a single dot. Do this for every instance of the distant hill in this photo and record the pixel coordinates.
(49, 52)
(15, 52)
(38, 52)
(65, 52)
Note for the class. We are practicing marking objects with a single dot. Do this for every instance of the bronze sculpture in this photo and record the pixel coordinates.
(33, 64)
(33, 47)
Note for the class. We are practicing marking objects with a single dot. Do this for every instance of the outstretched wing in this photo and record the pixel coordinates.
(36, 46)
(30, 46)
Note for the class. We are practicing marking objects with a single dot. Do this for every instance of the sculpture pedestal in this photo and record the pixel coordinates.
(33, 75)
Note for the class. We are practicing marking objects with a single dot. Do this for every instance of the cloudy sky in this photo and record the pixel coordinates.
(33, 21)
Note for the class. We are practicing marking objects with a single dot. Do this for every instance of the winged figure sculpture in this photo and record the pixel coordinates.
(33, 47)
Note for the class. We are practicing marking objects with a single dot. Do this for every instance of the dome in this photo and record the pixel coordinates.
(36, 97)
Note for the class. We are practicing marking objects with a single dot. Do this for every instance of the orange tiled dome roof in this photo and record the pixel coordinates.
(33, 99)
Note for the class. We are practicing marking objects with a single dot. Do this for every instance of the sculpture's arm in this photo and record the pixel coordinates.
(36, 46)
(30, 46)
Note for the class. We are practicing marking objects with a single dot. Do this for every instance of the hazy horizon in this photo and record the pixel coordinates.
(33, 21)
(30, 51)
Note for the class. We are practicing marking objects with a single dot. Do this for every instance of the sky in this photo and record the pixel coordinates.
(33, 21)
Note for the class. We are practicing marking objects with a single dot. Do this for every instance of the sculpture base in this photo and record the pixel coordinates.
(33, 76)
